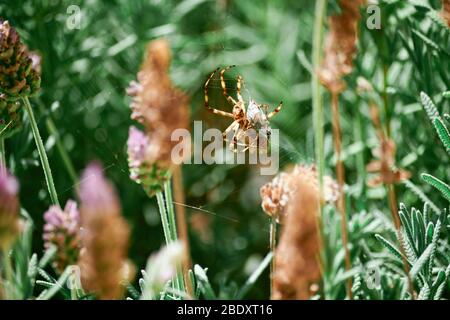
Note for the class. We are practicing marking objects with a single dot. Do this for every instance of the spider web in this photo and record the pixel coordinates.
(289, 153)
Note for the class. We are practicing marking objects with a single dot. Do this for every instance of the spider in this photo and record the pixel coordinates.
(255, 116)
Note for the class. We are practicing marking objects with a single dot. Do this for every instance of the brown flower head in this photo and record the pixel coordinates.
(104, 236)
(161, 108)
(276, 194)
(9, 208)
(384, 166)
(18, 78)
(340, 45)
(446, 11)
(296, 257)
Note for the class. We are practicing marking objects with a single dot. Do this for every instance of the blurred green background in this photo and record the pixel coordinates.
(85, 73)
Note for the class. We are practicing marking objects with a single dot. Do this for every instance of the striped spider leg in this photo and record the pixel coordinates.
(255, 116)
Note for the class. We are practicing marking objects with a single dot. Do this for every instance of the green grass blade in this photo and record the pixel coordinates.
(255, 275)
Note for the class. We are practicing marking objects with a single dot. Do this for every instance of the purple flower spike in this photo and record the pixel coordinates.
(62, 229)
(137, 147)
(95, 192)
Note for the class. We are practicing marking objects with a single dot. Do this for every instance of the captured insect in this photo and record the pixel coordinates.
(252, 117)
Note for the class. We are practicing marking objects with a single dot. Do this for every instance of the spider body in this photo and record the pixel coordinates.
(251, 116)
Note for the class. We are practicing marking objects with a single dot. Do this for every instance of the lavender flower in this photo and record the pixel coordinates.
(161, 108)
(62, 229)
(9, 208)
(17, 76)
(104, 236)
(137, 149)
(142, 170)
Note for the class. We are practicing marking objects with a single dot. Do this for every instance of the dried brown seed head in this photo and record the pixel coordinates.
(104, 236)
(297, 255)
(340, 45)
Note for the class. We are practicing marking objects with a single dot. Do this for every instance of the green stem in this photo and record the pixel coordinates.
(273, 240)
(360, 162)
(2, 153)
(170, 210)
(173, 228)
(42, 153)
(387, 112)
(8, 285)
(317, 89)
(163, 214)
(165, 224)
(52, 130)
(320, 12)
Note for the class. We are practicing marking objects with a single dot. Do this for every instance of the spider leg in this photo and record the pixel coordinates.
(235, 128)
(224, 88)
(230, 128)
(238, 89)
(213, 110)
(239, 133)
(277, 109)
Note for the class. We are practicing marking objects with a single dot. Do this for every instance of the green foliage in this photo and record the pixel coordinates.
(438, 184)
(84, 76)
(442, 132)
(419, 239)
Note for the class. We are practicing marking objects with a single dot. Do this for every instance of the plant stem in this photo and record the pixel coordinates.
(42, 153)
(320, 12)
(2, 152)
(53, 130)
(170, 211)
(387, 112)
(178, 194)
(173, 228)
(390, 187)
(163, 214)
(317, 89)
(8, 285)
(272, 240)
(340, 173)
(397, 223)
(166, 227)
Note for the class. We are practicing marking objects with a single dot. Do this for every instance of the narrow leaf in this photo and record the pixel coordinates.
(438, 184)
(420, 263)
(389, 246)
(442, 133)
(429, 106)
